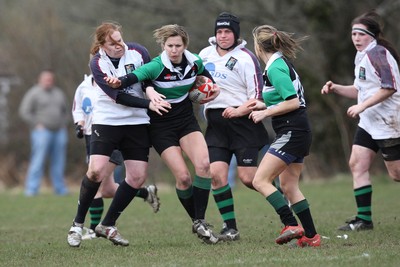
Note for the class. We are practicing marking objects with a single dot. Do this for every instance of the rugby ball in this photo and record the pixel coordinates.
(200, 89)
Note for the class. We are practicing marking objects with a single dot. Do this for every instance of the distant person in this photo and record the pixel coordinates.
(284, 102)
(82, 112)
(230, 134)
(376, 88)
(44, 108)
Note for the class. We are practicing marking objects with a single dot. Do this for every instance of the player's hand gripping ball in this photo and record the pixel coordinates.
(201, 89)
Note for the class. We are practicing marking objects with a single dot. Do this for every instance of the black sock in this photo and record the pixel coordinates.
(277, 201)
(186, 199)
(142, 193)
(286, 215)
(302, 211)
(124, 195)
(201, 193)
(87, 192)
(96, 211)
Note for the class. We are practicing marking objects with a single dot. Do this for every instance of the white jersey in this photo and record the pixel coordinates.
(107, 111)
(237, 73)
(376, 68)
(84, 101)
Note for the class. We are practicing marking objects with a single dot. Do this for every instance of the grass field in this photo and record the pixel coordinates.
(33, 232)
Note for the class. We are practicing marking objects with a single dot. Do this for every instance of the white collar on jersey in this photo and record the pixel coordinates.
(274, 57)
(168, 64)
(360, 55)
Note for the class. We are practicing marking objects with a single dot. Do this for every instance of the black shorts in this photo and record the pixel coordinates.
(131, 140)
(167, 132)
(245, 157)
(295, 143)
(116, 156)
(390, 148)
(234, 134)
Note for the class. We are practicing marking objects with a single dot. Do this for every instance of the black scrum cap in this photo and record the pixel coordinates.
(227, 20)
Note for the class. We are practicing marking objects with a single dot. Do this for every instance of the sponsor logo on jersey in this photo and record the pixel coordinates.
(129, 68)
(231, 63)
(169, 77)
(211, 69)
(87, 105)
(361, 74)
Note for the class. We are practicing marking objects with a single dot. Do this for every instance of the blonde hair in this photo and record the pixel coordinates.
(162, 34)
(106, 29)
(269, 39)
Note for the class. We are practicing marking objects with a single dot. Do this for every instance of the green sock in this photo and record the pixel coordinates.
(224, 200)
(96, 211)
(363, 197)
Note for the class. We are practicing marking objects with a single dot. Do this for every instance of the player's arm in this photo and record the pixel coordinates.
(349, 91)
(215, 90)
(206, 73)
(381, 95)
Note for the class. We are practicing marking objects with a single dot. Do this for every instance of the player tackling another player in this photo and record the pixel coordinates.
(122, 119)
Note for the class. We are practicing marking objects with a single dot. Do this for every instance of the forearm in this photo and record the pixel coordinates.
(378, 97)
(128, 80)
(132, 101)
(207, 74)
(283, 107)
(244, 108)
(349, 91)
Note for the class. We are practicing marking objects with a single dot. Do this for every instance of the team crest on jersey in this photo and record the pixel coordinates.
(231, 63)
(129, 68)
(361, 74)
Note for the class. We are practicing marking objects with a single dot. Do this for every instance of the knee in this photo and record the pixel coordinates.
(247, 181)
(94, 175)
(218, 181)
(203, 168)
(358, 168)
(183, 180)
(249, 184)
(353, 165)
(257, 183)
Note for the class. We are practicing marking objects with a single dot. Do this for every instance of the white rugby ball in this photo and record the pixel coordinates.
(201, 89)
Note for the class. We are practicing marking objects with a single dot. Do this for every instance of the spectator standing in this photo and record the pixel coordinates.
(44, 108)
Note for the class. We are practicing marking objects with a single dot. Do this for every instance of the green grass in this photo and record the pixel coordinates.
(33, 232)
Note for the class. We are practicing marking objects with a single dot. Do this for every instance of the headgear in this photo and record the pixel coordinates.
(227, 20)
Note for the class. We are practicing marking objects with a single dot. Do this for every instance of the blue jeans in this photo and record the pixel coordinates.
(46, 144)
